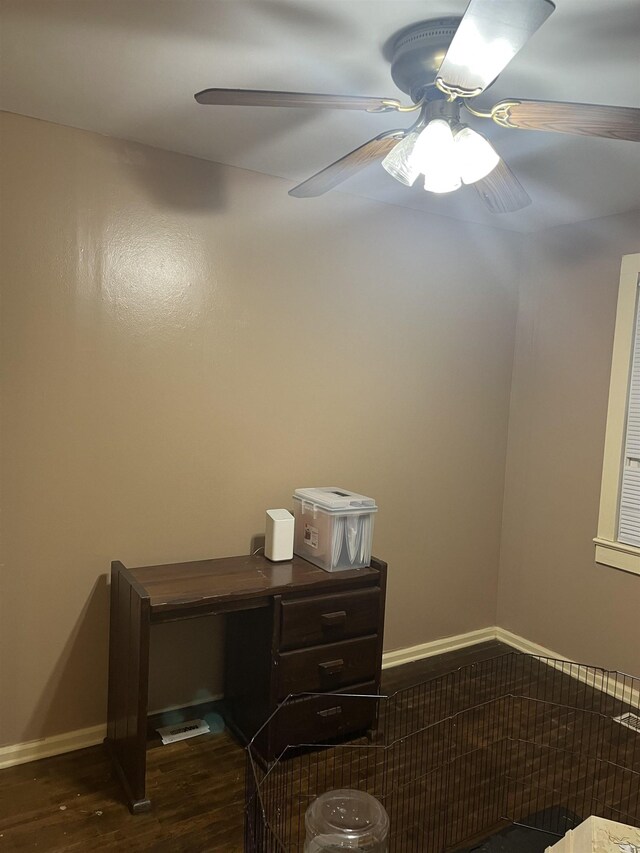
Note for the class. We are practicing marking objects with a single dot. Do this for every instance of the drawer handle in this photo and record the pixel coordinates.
(331, 667)
(330, 712)
(334, 620)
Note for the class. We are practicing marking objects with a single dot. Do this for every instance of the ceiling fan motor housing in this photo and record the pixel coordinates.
(418, 52)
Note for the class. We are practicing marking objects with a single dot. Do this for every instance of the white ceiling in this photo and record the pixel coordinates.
(129, 69)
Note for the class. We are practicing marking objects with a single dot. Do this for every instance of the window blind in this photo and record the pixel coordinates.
(629, 512)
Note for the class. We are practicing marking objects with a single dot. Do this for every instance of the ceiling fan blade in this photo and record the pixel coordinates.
(261, 98)
(501, 191)
(345, 167)
(488, 37)
(583, 119)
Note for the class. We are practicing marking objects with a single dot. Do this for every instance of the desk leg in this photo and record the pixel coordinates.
(128, 685)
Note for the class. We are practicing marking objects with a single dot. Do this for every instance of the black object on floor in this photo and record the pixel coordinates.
(526, 839)
(516, 839)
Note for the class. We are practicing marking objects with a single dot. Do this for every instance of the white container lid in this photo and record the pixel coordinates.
(334, 499)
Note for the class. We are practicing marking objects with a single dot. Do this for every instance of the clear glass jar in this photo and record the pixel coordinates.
(346, 820)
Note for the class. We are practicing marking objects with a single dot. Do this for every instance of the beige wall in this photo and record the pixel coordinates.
(183, 345)
(551, 591)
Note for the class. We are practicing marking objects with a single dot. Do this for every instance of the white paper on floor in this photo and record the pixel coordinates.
(181, 731)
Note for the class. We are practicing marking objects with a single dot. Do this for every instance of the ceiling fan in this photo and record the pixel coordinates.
(443, 65)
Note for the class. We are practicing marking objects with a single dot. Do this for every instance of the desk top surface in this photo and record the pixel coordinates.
(175, 586)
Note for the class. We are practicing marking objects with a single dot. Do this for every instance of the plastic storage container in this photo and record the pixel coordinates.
(598, 835)
(333, 527)
(346, 820)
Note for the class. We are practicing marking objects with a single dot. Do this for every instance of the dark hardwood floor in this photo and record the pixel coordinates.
(72, 802)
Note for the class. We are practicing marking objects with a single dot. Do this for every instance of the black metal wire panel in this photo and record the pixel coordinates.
(514, 739)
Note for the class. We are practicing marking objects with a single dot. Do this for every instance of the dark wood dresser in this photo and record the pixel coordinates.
(291, 628)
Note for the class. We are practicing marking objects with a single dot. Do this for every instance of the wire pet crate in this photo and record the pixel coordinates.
(516, 740)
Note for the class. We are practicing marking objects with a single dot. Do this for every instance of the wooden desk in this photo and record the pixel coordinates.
(291, 628)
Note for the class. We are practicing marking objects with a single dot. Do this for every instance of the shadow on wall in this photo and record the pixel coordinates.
(174, 181)
(79, 674)
(181, 181)
(257, 543)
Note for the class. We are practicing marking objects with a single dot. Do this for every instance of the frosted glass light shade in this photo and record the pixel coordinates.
(445, 160)
(437, 156)
(400, 163)
(475, 154)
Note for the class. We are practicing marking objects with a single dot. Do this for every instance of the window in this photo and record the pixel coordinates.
(618, 539)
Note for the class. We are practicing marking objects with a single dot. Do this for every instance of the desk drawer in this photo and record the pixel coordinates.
(327, 667)
(328, 618)
(319, 719)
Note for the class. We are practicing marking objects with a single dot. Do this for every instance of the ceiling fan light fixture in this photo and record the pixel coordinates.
(438, 158)
(460, 57)
(475, 155)
(400, 162)
(441, 182)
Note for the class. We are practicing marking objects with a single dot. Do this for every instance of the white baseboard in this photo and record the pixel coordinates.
(461, 641)
(21, 753)
(595, 677)
(437, 647)
(522, 645)
(32, 750)
(598, 679)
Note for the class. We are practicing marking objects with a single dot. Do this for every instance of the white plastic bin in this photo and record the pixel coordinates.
(597, 835)
(333, 527)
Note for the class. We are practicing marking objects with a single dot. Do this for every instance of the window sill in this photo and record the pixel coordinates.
(618, 555)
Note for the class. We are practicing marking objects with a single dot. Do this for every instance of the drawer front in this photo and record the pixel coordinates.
(320, 719)
(327, 667)
(328, 618)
